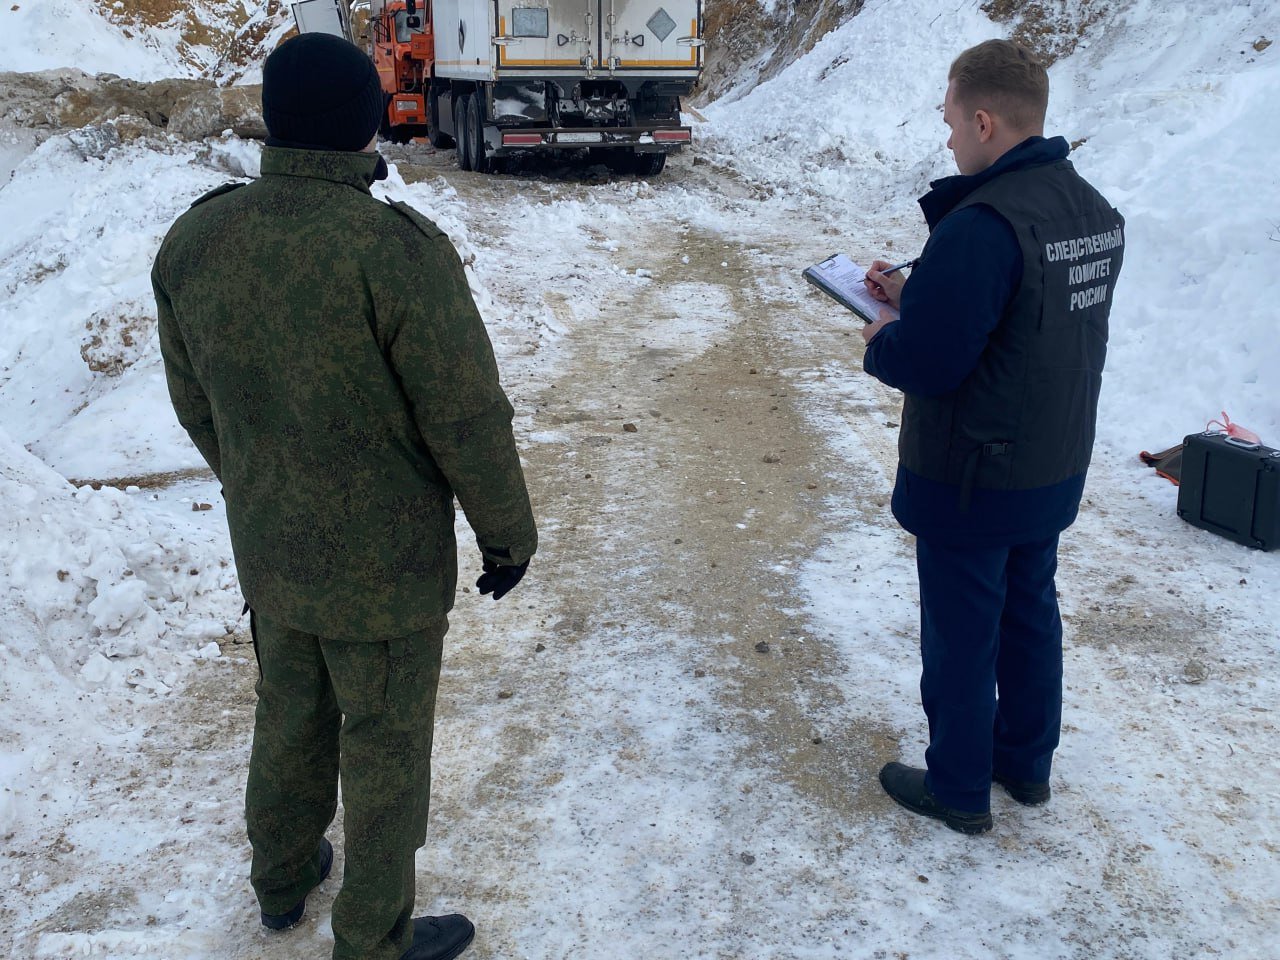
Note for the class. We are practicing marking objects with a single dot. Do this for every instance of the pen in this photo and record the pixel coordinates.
(907, 265)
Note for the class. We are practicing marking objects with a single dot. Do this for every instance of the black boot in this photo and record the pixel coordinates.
(283, 921)
(1026, 792)
(906, 786)
(440, 938)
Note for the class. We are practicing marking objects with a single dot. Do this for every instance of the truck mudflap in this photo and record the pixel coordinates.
(502, 140)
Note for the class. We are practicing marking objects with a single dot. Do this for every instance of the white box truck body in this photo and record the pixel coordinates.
(487, 40)
(494, 77)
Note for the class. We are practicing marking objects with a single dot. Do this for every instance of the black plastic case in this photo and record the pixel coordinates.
(1231, 488)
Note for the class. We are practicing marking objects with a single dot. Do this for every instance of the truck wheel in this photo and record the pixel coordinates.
(475, 133)
(618, 160)
(438, 139)
(461, 125)
(649, 164)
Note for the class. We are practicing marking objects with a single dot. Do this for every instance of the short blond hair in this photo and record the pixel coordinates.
(1004, 78)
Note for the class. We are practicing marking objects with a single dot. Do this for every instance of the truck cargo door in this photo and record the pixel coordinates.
(658, 35)
(323, 16)
(551, 34)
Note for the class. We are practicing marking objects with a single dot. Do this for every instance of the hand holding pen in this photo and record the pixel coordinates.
(882, 283)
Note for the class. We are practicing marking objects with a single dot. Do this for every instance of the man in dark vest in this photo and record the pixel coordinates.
(998, 351)
(323, 351)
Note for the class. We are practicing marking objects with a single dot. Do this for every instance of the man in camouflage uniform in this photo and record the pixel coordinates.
(324, 353)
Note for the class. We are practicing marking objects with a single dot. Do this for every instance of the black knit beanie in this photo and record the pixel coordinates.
(320, 92)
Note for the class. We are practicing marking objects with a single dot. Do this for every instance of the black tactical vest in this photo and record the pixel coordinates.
(1025, 416)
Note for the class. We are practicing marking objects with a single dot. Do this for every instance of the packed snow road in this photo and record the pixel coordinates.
(664, 742)
(679, 700)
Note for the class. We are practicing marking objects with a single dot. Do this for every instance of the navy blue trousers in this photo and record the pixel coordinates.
(991, 647)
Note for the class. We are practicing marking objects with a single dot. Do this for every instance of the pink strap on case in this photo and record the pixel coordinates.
(1233, 429)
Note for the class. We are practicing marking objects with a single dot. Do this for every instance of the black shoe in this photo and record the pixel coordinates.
(906, 786)
(283, 921)
(440, 938)
(1026, 792)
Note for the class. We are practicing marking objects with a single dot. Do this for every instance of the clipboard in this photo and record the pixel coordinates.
(841, 280)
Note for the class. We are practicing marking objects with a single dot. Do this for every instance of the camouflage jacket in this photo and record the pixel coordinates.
(324, 353)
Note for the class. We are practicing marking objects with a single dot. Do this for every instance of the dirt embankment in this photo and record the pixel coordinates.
(56, 100)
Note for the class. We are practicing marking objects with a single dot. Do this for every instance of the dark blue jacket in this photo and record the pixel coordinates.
(950, 305)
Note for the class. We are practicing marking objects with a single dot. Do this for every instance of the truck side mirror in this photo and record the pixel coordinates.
(412, 22)
(411, 7)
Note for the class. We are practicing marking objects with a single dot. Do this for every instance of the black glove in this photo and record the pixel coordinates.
(500, 580)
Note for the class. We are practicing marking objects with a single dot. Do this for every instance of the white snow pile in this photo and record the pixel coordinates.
(49, 34)
(83, 386)
(107, 593)
(142, 39)
(101, 578)
(1172, 106)
(104, 599)
(95, 587)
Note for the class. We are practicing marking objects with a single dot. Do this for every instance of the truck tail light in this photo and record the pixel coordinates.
(671, 136)
(521, 139)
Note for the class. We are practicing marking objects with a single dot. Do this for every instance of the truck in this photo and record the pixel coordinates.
(491, 78)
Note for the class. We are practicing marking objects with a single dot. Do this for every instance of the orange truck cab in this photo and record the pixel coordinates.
(403, 50)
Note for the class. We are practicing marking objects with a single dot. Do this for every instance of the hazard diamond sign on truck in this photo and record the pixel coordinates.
(495, 77)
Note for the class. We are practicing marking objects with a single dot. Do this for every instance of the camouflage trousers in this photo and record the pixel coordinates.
(365, 713)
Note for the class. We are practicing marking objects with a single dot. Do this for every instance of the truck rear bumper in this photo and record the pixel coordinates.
(502, 140)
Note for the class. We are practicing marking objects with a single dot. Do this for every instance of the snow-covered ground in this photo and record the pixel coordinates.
(49, 34)
(119, 605)
(140, 39)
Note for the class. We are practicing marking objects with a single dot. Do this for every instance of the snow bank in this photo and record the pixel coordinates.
(107, 593)
(857, 120)
(1175, 108)
(48, 34)
(1177, 111)
(95, 572)
(78, 313)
